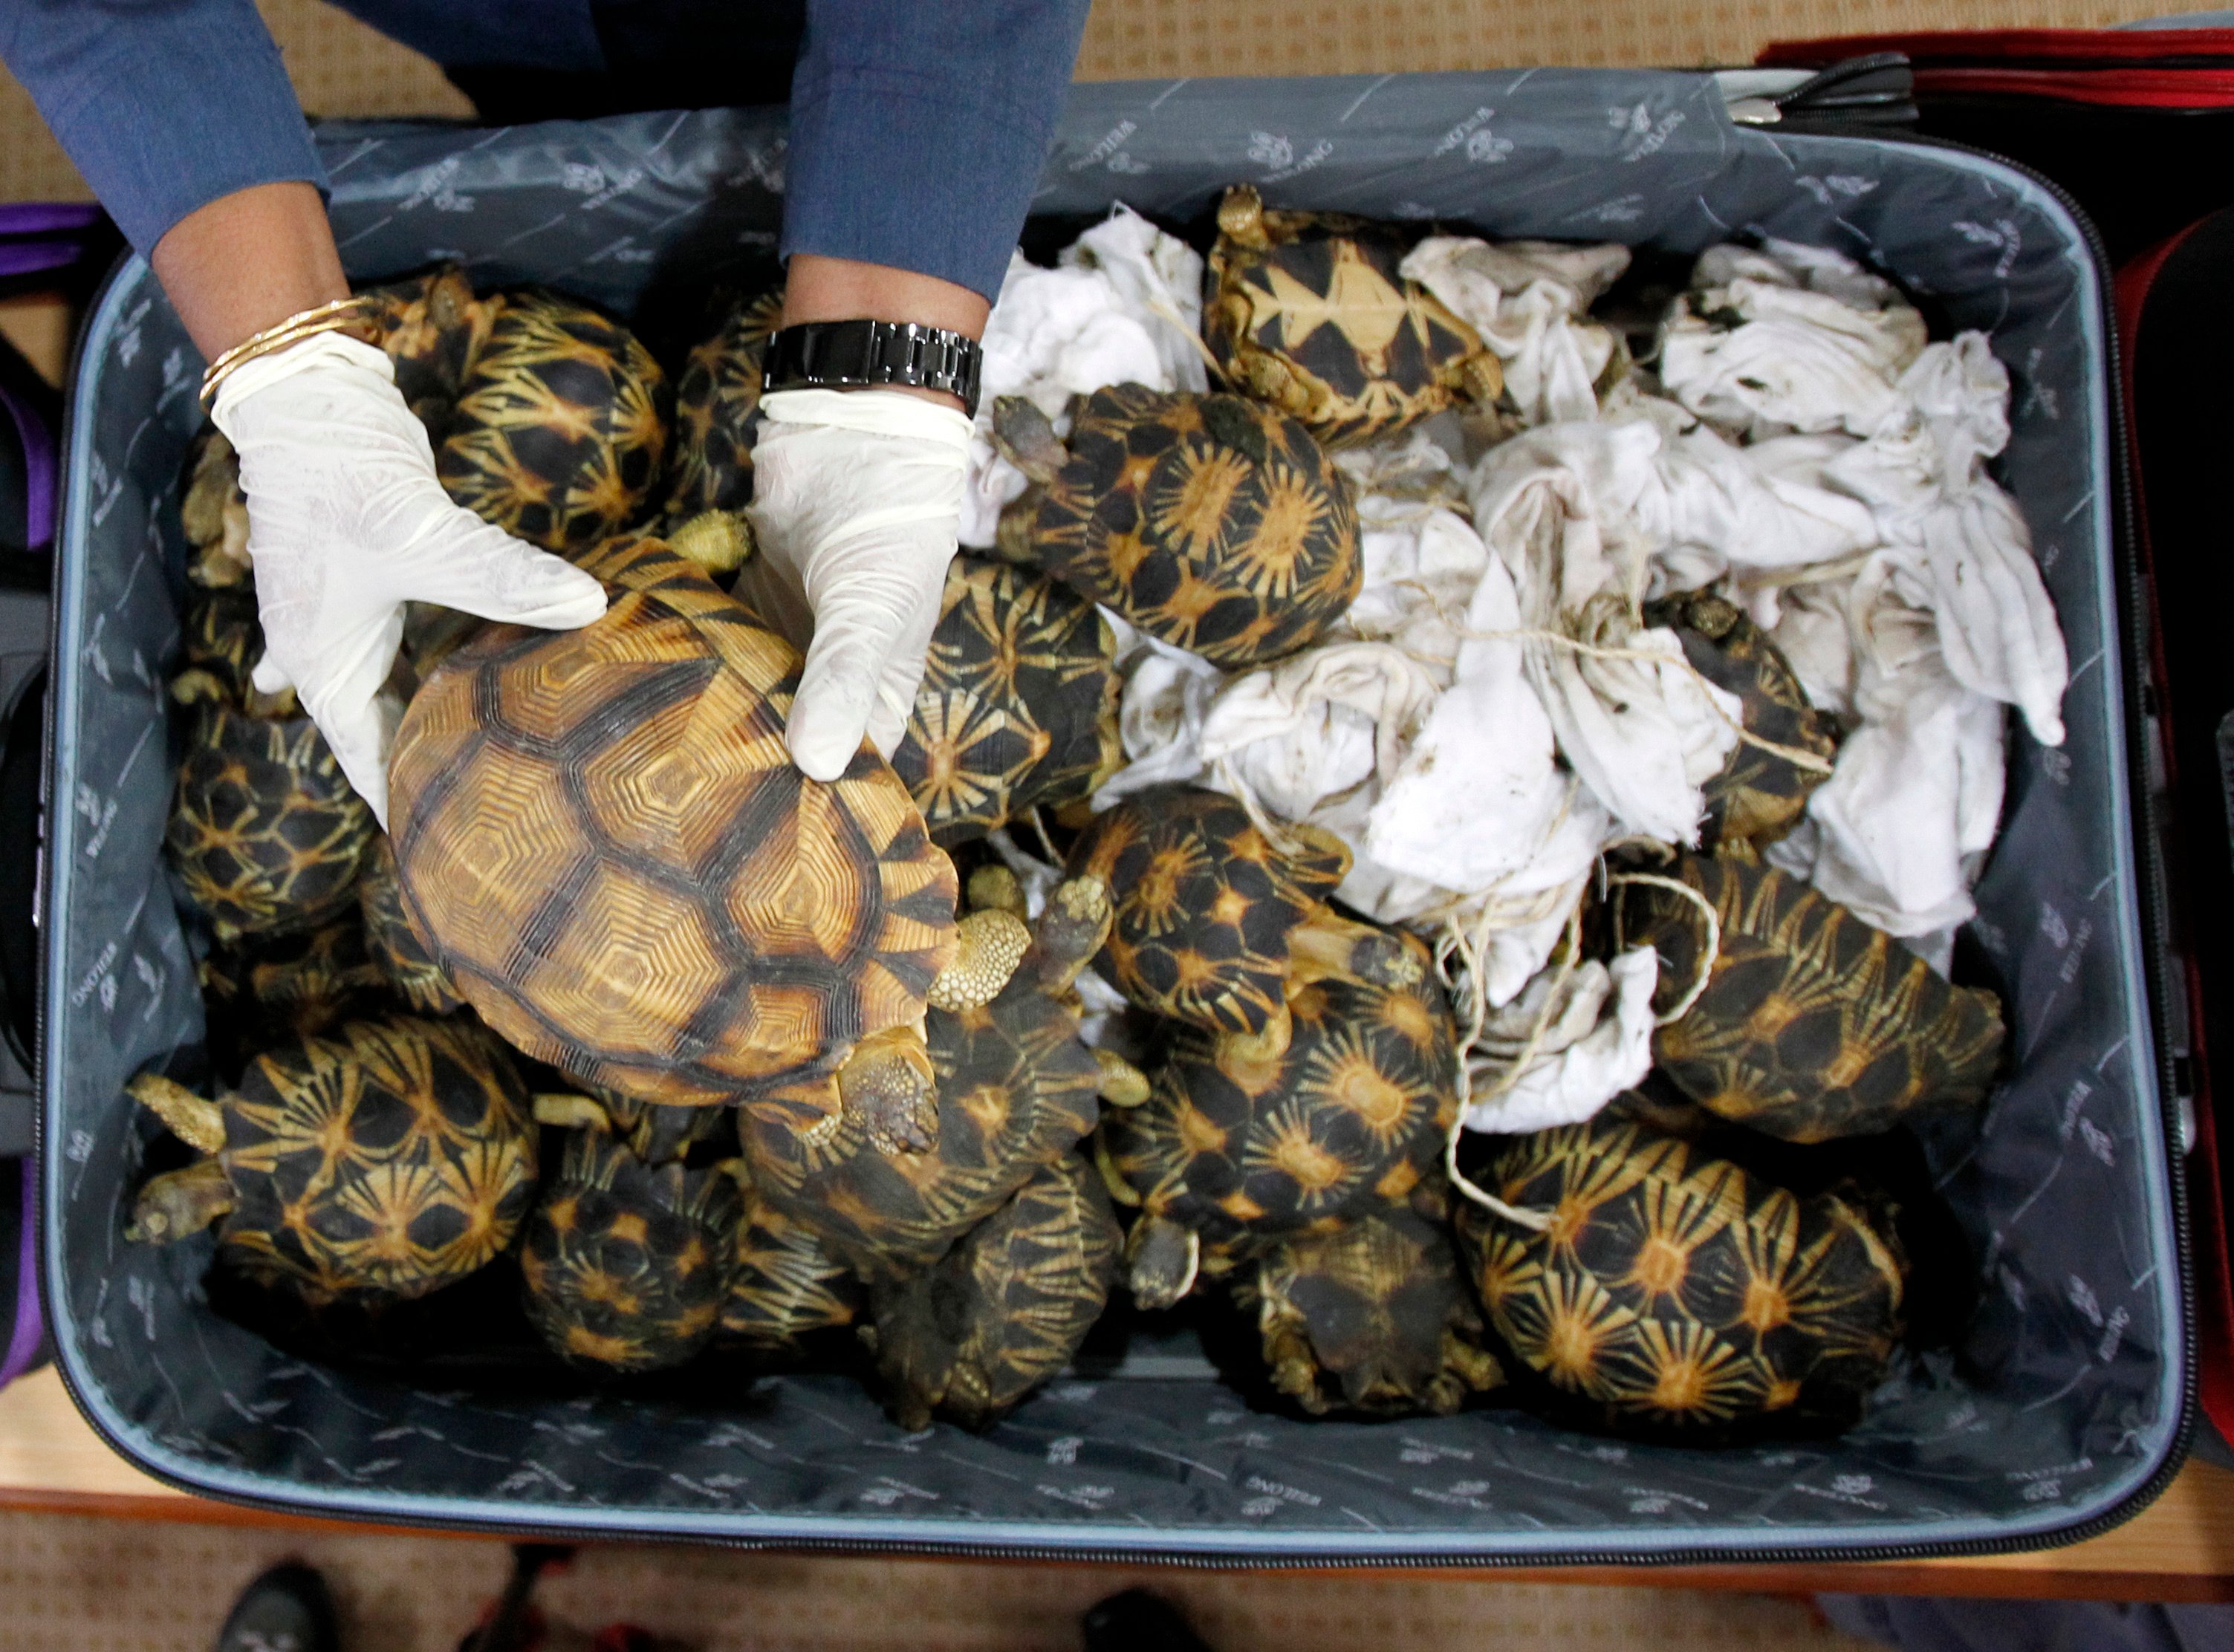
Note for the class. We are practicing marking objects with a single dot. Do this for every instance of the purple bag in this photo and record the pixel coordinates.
(42, 247)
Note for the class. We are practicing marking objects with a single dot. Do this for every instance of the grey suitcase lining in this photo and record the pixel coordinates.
(2065, 1398)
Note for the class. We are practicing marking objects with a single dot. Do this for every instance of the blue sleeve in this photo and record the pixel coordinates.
(163, 105)
(920, 127)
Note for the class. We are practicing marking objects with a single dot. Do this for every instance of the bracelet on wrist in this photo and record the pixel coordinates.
(306, 323)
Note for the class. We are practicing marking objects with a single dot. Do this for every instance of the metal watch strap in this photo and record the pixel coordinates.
(841, 355)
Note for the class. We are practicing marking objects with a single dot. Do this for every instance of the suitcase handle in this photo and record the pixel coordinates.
(23, 865)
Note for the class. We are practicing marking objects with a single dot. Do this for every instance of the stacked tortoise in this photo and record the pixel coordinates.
(1813, 1025)
(265, 834)
(717, 404)
(1671, 1290)
(1016, 1090)
(1372, 1318)
(1018, 706)
(1763, 789)
(1211, 523)
(1309, 313)
(384, 1162)
(785, 1287)
(1237, 1148)
(271, 990)
(433, 330)
(1216, 922)
(560, 429)
(404, 961)
(969, 1337)
(625, 1265)
(603, 842)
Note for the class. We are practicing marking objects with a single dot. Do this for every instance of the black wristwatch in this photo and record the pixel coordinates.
(844, 355)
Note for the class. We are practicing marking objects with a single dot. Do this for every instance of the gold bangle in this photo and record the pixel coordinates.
(308, 324)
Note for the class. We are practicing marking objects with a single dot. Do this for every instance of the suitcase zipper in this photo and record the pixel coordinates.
(2147, 872)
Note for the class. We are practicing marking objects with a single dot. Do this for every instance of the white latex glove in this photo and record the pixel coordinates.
(857, 496)
(347, 523)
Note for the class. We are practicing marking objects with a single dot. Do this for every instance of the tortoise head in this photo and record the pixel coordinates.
(179, 1204)
(1070, 930)
(1025, 437)
(1162, 1259)
(887, 1085)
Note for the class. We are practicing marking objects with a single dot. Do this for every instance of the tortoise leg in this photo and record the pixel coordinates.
(988, 947)
(718, 541)
(1164, 1258)
(1326, 947)
(195, 1120)
(179, 1203)
(1123, 1085)
(1071, 931)
(1240, 1051)
(1121, 1191)
(571, 1112)
(887, 1085)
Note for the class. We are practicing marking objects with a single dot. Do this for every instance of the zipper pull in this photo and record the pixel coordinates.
(1878, 90)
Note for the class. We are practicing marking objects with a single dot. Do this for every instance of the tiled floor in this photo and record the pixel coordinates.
(78, 1584)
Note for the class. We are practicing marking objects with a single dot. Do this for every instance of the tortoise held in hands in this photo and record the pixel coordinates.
(604, 845)
(1310, 313)
(1210, 522)
(1676, 1291)
(1216, 924)
(1016, 1090)
(392, 1159)
(1372, 1318)
(265, 832)
(1236, 1147)
(1004, 1310)
(560, 425)
(1761, 793)
(624, 1265)
(1018, 706)
(1813, 1024)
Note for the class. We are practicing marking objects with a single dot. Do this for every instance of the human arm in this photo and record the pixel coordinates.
(917, 135)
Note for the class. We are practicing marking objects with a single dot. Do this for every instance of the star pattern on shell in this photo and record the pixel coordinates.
(1309, 313)
(1677, 1291)
(265, 832)
(1813, 1024)
(717, 400)
(1213, 522)
(389, 1159)
(625, 1266)
(560, 429)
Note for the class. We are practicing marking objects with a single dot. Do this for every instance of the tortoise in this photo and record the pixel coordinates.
(717, 409)
(1761, 792)
(656, 1135)
(1216, 923)
(1310, 313)
(784, 1285)
(1211, 522)
(561, 425)
(271, 990)
(393, 1157)
(1813, 1024)
(1018, 706)
(1675, 1290)
(1004, 1310)
(402, 958)
(433, 330)
(220, 633)
(214, 513)
(1372, 1318)
(603, 841)
(623, 1265)
(265, 832)
(1235, 1148)
(1016, 1089)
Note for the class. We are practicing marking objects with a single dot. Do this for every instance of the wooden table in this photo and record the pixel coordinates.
(2180, 1548)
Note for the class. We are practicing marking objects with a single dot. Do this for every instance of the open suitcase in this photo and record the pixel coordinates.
(2064, 1409)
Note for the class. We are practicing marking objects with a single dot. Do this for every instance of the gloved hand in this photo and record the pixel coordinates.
(347, 523)
(857, 496)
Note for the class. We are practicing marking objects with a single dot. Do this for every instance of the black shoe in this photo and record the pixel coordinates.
(289, 1608)
(1137, 1620)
